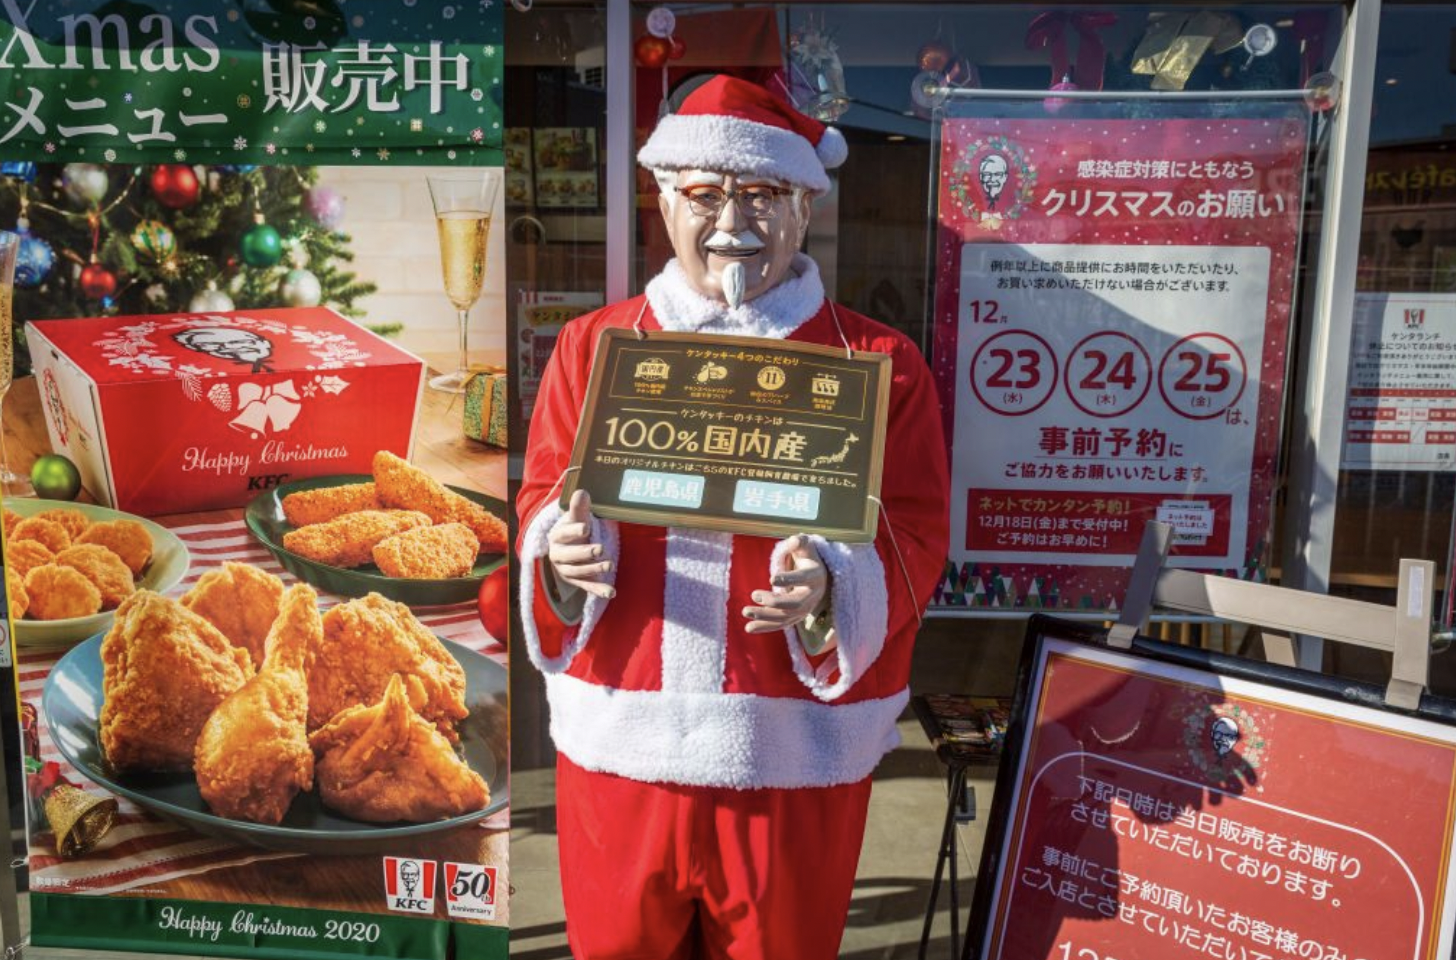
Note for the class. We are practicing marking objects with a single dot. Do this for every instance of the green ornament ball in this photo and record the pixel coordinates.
(261, 246)
(153, 239)
(55, 478)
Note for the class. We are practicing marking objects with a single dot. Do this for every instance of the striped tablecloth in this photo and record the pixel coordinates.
(142, 848)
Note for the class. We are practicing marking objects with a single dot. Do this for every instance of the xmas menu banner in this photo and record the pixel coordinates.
(1112, 315)
(1400, 407)
(308, 80)
(1157, 810)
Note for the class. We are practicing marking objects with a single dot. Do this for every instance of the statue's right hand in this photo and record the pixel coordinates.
(575, 559)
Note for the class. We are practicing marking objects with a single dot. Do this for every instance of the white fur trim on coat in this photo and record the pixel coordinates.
(776, 314)
(695, 610)
(733, 145)
(735, 740)
(534, 547)
(861, 615)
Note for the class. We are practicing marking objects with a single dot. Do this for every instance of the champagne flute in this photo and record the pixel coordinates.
(463, 204)
(13, 483)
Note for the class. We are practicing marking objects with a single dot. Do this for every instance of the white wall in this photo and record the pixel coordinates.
(388, 214)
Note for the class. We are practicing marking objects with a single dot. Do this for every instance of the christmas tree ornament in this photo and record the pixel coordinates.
(300, 288)
(934, 57)
(154, 240)
(33, 257)
(210, 300)
(175, 185)
(261, 245)
(55, 477)
(493, 603)
(22, 170)
(679, 49)
(652, 52)
(78, 819)
(325, 205)
(237, 167)
(1055, 105)
(1052, 31)
(816, 76)
(84, 183)
(661, 22)
(97, 282)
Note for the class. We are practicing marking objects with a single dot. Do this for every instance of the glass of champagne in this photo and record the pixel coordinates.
(463, 203)
(13, 483)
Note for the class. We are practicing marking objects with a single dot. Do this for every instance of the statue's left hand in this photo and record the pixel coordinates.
(799, 590)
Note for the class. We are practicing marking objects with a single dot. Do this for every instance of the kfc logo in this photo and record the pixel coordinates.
(1415, 317)
(409, 885)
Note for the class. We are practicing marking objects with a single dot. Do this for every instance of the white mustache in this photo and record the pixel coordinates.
(734, 241)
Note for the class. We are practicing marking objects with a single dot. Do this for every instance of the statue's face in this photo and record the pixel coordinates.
(734, 237)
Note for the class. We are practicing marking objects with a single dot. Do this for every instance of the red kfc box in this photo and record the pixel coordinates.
(174, 412)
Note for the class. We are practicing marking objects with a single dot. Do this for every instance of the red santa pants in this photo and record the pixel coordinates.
(666, 872)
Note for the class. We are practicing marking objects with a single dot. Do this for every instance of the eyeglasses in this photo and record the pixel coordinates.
(759, 201)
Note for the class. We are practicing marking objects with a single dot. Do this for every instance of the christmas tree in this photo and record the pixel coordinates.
(118, 239)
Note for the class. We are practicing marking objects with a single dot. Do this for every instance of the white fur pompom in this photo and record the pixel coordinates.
(833, 149)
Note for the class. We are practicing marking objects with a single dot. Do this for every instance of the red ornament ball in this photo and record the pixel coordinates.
(97, 282)
(493, 603)
(652, 52)
(175, 185)
(934, 56)
(678, 49)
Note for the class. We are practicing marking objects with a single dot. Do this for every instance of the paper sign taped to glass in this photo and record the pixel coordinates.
(765, 438)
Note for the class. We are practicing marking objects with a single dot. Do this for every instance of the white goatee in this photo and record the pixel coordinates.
(735, 282)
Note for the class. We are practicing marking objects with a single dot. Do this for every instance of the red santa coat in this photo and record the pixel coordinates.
(662, 684)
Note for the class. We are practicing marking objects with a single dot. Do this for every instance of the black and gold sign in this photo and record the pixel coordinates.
(752, 436)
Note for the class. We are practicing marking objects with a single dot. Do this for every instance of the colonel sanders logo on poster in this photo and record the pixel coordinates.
(991, 182)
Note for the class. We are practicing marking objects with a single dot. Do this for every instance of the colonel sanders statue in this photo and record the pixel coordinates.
(719, 701)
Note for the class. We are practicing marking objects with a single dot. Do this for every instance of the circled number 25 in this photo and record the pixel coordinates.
(1206, 373)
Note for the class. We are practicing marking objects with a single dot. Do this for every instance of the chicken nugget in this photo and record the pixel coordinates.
(428, 553)
(307, 507)
(127, 539)
(73, 520)
(23, 556)
(11, 518)
(241, 601)
(101, 567)
(410, 488)
(15, 594)
(60, 593)
(348, 541)
(47, 532)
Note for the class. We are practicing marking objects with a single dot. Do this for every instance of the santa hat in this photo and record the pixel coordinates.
(730, 125)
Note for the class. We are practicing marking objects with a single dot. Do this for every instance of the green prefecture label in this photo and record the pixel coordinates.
(251, 930)
(308, 81)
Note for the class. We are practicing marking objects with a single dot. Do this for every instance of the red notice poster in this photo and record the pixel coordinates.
(1112, 317)
(1161, 811)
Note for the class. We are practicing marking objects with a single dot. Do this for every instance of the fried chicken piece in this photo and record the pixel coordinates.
(348, 541)
(60, 593)
(164, 671)
(101, 567)
(410, 488)
(23, 556)
(384, 762)
(428, 553)
(127, 539)
(241, 601)
(15, 594)
(74, 521)
(369, 640)
(308, 507)
(47, 532)
(253, 756)
(9, 519)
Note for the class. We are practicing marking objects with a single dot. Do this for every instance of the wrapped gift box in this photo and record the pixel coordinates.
(485, 406)
(175, 412)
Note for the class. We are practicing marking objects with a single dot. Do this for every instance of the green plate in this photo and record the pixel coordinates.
(170, 561)
(71, 705)
(265, 520)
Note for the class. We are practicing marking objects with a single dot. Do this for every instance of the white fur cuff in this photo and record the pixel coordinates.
(534, 547)
(861, 607)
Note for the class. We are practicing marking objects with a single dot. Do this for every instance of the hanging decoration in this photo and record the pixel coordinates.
(652, 52)
(175, 185)
(1055, 105)
(934, 56)
(816, 75)
(97, 282)
(211, 300)
(34, 258)
(1050, 31)
(1175, 43)
(300, 288)
(22, 170)
(154, 240)
(261, 245)
(85, 184)
(326, 205)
